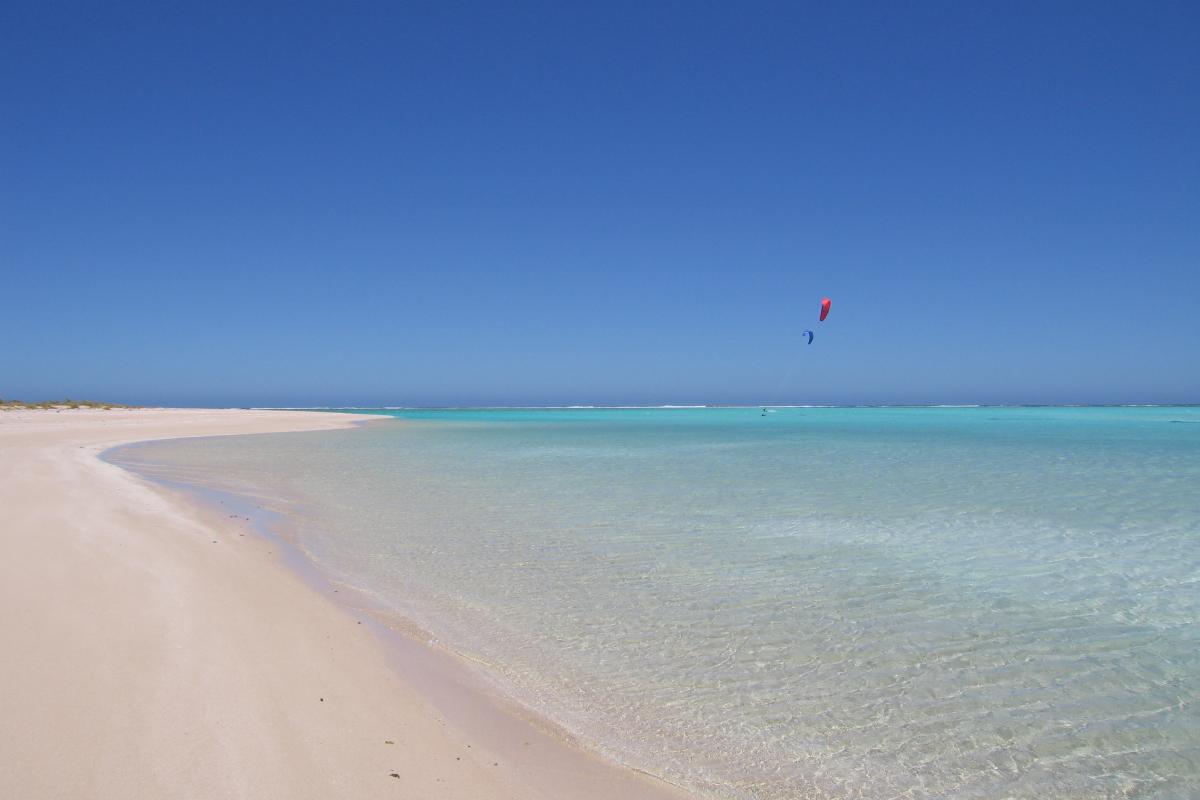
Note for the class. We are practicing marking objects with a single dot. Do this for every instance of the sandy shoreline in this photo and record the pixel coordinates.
(152, 648)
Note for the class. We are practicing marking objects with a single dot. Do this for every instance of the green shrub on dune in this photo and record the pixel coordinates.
(14, 405)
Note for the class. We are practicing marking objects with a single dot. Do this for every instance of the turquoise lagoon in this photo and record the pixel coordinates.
(815, 602)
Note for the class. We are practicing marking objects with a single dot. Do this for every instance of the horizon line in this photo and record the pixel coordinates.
(681, 407)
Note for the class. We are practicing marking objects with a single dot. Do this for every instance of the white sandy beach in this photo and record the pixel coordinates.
(155, 648)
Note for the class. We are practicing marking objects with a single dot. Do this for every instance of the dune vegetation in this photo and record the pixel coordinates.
(14, 405)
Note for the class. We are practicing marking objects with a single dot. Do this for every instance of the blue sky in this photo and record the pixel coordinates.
(452, 203)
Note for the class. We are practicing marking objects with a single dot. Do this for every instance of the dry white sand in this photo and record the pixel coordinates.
(150, 647)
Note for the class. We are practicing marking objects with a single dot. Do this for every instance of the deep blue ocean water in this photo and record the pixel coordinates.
(818, 602)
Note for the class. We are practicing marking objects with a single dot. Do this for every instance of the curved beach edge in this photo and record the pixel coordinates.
(156, 647)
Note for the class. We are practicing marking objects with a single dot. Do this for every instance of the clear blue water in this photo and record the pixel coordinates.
(868, 603)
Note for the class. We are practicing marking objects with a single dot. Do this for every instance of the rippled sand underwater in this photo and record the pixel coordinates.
(874, 603)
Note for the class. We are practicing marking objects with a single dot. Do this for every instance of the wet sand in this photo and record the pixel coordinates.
(156, 647)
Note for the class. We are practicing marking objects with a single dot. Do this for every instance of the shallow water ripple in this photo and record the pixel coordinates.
(826, 603)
